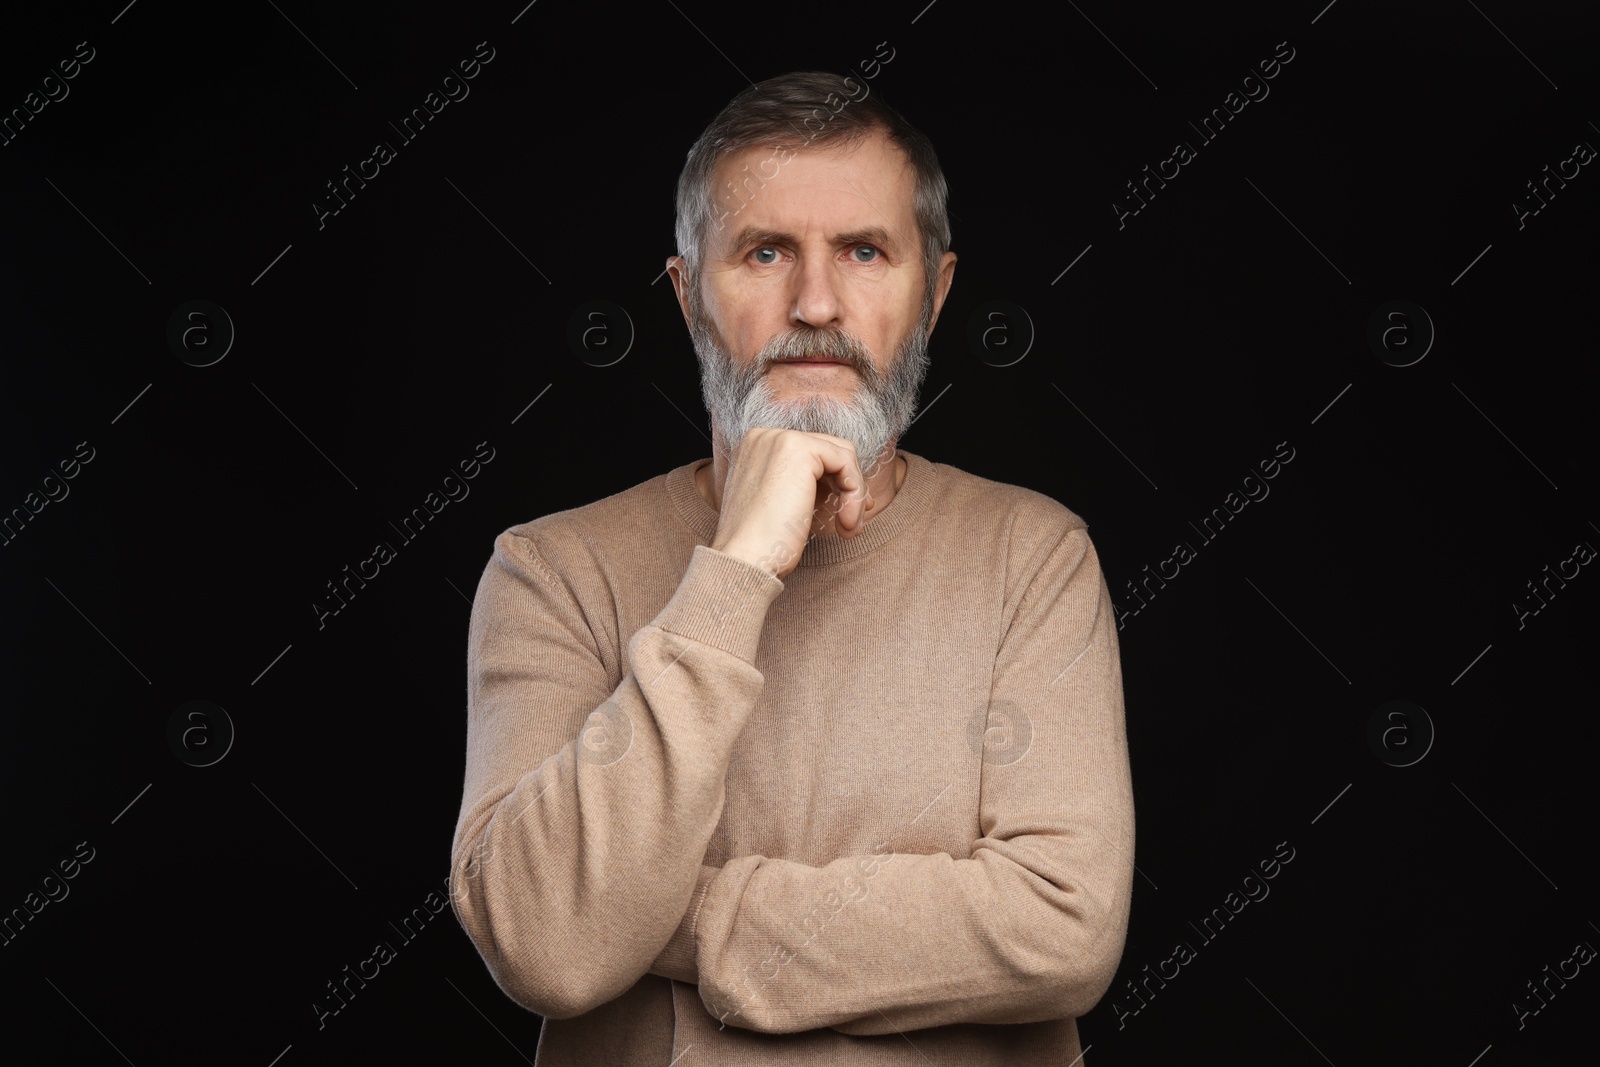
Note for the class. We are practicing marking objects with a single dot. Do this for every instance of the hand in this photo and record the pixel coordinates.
(783, 487)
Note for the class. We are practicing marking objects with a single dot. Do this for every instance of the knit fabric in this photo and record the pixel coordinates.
(878, 812)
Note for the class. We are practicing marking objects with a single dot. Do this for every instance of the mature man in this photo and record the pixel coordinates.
(812, 752)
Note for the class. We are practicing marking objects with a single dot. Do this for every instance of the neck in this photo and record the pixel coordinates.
(882, 483)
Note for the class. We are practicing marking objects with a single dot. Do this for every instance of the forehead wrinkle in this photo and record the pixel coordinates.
(750, 235)
(889, 222)
(780, 234)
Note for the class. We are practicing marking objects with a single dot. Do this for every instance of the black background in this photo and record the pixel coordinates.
(374, 353)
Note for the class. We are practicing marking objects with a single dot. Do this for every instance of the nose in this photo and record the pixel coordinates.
(816, 294)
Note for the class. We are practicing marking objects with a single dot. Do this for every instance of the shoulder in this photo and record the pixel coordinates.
(1022, 536)
(1016, 512)
(620, 514)
(593, 539)
(1037, 548)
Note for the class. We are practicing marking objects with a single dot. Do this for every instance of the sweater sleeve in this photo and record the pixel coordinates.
(587, 808)
(1030, 926)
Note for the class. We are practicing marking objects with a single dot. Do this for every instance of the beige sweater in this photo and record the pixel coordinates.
(876, 812)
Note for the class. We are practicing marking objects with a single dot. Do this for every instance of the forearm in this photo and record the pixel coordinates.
(876, 944)
(572, 880)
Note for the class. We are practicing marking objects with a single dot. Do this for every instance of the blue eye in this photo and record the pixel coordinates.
(872, 253)
(761, 252)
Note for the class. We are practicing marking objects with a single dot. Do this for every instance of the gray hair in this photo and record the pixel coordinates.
(793, 111)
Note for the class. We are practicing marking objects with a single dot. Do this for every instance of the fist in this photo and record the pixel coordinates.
(784, 487)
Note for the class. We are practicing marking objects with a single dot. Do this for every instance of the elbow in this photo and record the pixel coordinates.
(1068, 973)
(557, 978)
(1084, 973)
(545, 981)
(545, 984)
(1066, 985)
(566, 999)
(1080, 985)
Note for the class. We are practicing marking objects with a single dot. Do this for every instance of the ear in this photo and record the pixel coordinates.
(678, 271)
(941, 289)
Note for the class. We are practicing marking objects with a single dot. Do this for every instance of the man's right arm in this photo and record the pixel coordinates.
(587, 809)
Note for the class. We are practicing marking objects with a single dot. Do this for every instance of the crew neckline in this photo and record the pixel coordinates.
(911, 505)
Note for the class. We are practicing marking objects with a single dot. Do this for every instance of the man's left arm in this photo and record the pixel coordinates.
(1029, 927)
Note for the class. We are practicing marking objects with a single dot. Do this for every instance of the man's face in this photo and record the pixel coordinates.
(821, 260)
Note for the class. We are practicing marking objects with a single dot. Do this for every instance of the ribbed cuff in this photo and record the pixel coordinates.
(722, 601)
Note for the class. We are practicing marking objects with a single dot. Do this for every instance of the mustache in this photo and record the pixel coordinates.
(829, 342)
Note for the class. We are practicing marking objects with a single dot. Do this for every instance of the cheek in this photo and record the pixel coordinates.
(726, 301)
(745, 325)
(744, 335)
(900, 329)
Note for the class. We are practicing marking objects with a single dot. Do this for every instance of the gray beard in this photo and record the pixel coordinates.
(739, 398)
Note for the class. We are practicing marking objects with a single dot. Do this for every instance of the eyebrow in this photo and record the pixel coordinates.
(871, 235)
